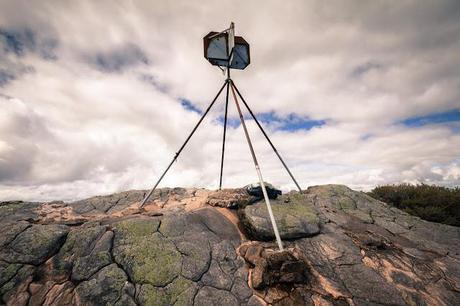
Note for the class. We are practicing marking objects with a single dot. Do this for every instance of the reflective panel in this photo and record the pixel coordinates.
(240, 57)
(216, 51)
(217, 48)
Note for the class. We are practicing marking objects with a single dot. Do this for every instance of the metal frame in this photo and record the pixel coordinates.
(231, 85)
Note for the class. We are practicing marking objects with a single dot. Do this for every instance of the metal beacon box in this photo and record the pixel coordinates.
(218, 50)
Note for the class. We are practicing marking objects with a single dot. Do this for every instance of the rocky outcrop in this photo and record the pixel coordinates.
(200, 247)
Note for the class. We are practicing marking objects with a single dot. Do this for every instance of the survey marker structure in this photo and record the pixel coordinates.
(227, 51)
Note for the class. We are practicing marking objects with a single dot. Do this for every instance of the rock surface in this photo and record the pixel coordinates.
(186, 247)
(295, 217)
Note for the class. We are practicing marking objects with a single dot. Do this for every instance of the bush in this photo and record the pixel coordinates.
(432, 203)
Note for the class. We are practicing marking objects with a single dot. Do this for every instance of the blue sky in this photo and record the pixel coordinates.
(97, 97)
(434, 118)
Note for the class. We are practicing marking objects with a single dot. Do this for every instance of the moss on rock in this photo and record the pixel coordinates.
(179, 292)
(295, 216)
(343, 198)
(146, 255)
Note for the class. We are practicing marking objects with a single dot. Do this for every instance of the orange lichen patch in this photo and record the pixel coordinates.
(194, 199)
(57, 213)
(329, 251)
(60, 294)
(198, 201)
(328, 286)
(274, 294)
(370, 263)
(147, 208)
(21, 295)
(319, 301)
(401, 268)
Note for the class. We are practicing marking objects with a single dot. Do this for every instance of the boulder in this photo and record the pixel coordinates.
(295, 216)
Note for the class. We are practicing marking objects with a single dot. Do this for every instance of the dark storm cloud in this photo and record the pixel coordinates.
(118, 59)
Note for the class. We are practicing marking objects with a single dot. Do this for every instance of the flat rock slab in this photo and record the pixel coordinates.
(295, 216)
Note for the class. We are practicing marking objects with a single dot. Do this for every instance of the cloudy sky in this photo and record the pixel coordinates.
(97, 96)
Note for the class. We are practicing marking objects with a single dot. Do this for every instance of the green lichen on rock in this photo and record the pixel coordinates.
(79, 243)
(22, 275)
(10, 207)
(179, 292)
(145, 254)
(7, 271)
(37, 243)
(295, 216)
(105, 288)
(86, 266)
(343, 198)
(137, 228)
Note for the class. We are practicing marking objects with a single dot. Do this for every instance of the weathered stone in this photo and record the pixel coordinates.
(7, 271)
(208, 220)
(274, 267)
(180, 292)
(146, 255)
(256, 301)
(196, 255)
(241, 289)
(11, 230)
(127, 295)
(365, 283)
(217, 278)
(295, 216)
(35, 244)
(14, 291)
(344, 199)
(209, 296)
(105, 288)
(231, 198)
(61, 294)
(79, 243)
(12, 211)
(173, 226)
(85, 267)
(368, 253)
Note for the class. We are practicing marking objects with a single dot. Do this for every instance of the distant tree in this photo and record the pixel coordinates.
(429, 202)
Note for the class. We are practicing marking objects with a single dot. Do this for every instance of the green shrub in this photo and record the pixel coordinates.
(432, 203)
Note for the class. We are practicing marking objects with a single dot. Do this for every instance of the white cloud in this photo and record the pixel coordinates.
(69, 129)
